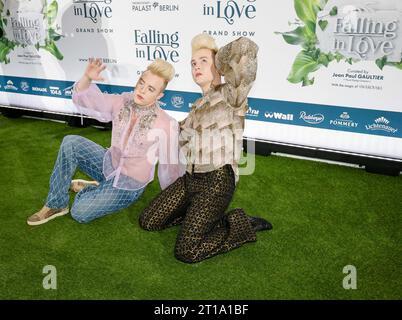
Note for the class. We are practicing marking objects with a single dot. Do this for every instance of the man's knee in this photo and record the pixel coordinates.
(148, 222)
(80, 214)
(185, 252)
(70, 140)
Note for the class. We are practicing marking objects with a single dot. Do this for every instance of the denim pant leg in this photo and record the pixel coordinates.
(95, 202)
(75, 151)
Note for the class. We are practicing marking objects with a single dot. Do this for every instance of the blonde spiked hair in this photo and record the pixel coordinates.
(203, 41)
(163, 69)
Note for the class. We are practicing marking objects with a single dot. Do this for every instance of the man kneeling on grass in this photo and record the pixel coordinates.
(142, 134)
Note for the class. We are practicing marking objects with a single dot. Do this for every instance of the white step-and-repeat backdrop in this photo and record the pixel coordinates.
(330, 71)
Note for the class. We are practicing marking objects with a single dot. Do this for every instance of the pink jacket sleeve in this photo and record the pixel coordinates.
(171, 161)
(94, 103)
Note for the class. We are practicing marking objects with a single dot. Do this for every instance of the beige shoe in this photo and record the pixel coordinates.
(45, 214)
(79, 184)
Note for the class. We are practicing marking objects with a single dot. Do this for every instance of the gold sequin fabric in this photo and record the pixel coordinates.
(198, 201)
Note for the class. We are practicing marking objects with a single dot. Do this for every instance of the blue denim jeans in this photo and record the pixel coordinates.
(93, 201)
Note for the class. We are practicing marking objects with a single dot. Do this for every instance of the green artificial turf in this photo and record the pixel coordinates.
(324, 216)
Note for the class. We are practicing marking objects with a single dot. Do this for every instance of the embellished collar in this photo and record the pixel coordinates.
(141, 111)
(146, 117)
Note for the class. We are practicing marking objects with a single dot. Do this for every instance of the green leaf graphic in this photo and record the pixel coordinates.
(324, 59)
(338, 56)
(294, 37)
(53, 35)
(323, 24)
(51, 47)
(4, 51)
(322, 4)
(399, 65)
(310, 29)
(302, 67)
(307, 10)
(394, 64)
(334, 11)
(307, 82)
(381, 62)
(52, 12)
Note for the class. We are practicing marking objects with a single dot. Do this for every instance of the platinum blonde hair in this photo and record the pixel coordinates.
(203, 41)
(163, 69)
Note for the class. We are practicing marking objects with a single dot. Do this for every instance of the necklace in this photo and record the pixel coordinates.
(145, 119)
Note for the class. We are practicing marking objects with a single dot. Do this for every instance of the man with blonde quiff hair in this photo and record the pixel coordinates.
(142, 135)
(199, 199)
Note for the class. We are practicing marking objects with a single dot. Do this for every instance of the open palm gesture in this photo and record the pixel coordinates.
(94, 68)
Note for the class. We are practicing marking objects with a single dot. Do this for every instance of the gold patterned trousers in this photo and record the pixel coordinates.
(198, 202)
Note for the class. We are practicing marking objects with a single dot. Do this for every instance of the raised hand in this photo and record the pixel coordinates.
(92, 72)
(94, 68)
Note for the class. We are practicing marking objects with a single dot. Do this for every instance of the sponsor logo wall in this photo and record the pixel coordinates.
(323, 64)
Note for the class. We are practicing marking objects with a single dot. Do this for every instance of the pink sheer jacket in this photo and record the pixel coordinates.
(141, 137)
